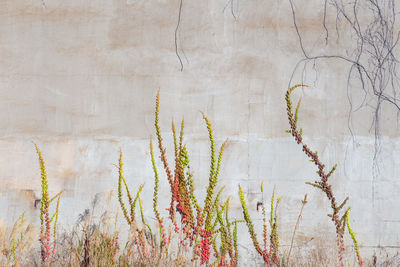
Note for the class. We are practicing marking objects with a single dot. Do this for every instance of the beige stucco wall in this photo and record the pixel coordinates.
(79, 78)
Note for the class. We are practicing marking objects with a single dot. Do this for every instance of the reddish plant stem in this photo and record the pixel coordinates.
(323, 183)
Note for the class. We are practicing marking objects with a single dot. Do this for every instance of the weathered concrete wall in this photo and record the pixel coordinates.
(79, 78)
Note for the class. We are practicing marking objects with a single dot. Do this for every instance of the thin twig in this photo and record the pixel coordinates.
(304, 202)
(176, 34)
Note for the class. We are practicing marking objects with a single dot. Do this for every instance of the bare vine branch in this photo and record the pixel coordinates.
(373, 61)
(176, 34)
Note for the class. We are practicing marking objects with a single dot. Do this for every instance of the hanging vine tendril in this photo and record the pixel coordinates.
(371, 55)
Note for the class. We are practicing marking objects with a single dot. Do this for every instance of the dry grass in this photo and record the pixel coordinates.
(100, 242)
(16, 242)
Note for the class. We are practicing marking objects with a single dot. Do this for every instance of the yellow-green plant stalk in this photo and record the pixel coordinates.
(44, 210)
(274, 236)
(190, 197)
(215, 207)
(139, 234)
(211, 185)
(230, 235)
(160, 220)
(142, 214)
(184, 206)
(133, 207)
(132, 202)
(209, 208)
(228, 223)
(219, 161)
(122, 182)
(193, 199)
(226, 237)
(163, 158)
(272, 207)
(215, 248)
(271, 256)
(14, 245)
(235, 243)
(353, 237)
(214, 172)
(45, 220)
(250, 227)
(189, 179)
(55, 218)
(264, 214)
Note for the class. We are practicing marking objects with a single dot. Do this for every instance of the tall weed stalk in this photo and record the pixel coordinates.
(47, 240)
(338, 218)
(197, 228)
(270, 254)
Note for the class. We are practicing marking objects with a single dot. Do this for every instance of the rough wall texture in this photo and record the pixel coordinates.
(79, 78)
